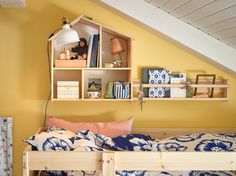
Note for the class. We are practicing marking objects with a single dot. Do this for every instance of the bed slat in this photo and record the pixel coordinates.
(41, 160)
(155, 161)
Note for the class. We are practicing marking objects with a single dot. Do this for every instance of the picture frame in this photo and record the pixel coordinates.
(94, 88)
(95, 84)
(213, 78)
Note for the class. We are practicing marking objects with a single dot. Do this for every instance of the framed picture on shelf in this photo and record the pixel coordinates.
(95, 84)
(209, 79)
(94, 87)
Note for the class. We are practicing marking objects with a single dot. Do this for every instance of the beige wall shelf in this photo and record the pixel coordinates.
(220, 91)
(86, 28)
(121, 68)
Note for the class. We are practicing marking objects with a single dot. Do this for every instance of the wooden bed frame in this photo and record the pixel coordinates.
(110, 161)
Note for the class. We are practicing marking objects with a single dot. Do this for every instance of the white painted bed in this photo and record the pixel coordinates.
(109, 162)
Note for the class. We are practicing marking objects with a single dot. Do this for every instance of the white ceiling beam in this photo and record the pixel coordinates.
(178, 30)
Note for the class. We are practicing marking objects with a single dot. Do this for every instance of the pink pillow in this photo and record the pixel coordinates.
(111, 129)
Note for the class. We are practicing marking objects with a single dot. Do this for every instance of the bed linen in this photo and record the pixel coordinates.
(89, 141)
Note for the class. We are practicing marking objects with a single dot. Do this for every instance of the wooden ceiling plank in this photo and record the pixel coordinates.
(158, 3)
(172, 5)
(234, 45)
(208, 10)
(229, 23)
(231, 39)
(225, 33)
(217, 17)
(189, 7)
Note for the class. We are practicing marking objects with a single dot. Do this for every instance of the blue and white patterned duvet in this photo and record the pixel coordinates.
(61, 139)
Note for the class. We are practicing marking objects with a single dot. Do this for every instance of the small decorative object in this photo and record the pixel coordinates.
(116, 49)
(176, 92)
(81, 50)
(95, 94)
(94, 87)
(205, 94)
(64, 54)
(109, 65)
(67, 89)
(109, 90)
(136, 87)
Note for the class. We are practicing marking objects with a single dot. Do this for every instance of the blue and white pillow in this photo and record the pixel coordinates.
(61, 140)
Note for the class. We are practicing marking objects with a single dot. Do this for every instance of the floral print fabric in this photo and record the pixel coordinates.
(6, 146)
(88, 141)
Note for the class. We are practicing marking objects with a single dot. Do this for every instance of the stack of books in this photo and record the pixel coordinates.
(121, 90)
(118, 90)
(92, 59)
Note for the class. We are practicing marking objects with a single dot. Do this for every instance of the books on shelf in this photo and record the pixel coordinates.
(118, 90)
(121, 90)
(89, 50)
(92, 59)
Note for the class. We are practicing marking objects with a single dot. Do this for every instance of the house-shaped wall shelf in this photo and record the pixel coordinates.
(102, 73)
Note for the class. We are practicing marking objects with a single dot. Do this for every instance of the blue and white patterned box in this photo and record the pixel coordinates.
(158, 76)
(156, 92)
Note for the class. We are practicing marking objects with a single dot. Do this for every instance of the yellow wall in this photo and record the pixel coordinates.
(25, 82)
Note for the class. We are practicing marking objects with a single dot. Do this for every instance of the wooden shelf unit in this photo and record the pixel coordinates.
(220, 91)
(86, 27)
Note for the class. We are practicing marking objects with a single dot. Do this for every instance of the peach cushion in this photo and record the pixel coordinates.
(111, 129)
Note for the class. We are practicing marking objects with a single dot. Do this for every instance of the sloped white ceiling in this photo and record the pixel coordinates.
(215, 17)
(176, 29)
(12, 3)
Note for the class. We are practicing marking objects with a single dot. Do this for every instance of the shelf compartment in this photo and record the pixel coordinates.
(85, 29)
(67, 75)
(106, 76)
(107, 57)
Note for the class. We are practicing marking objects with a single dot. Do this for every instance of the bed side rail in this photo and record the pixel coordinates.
(154, 161)
(61, 160)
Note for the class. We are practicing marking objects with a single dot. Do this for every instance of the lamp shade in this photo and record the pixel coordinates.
(66, 36)
(116, 46)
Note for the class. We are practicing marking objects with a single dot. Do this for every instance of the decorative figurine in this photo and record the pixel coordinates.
(81, 49)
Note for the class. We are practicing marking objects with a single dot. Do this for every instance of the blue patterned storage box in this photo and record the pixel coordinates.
(158, 76)
(156, 92)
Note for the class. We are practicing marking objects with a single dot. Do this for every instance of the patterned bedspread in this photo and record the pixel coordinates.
(60, 139)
